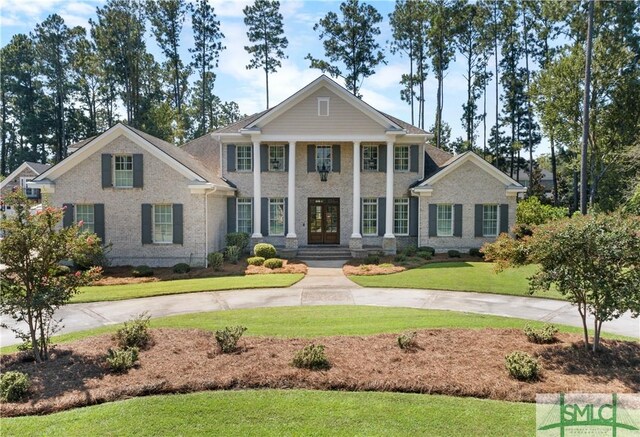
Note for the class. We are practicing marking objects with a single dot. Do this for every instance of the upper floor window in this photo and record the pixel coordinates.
(276, 216)
(401, 216)
(401, 158)
(323, 106)
(243, 158)
(123, 171)
(86, 215)
(370, 158)
(162, 223)
(276, 158)
(444, 220)
(323, 158)
(244, 212)
(489, 220)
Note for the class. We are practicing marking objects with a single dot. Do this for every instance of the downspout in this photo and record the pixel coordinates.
(206, 226)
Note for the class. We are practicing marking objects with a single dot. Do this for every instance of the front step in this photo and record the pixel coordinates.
(324, 253)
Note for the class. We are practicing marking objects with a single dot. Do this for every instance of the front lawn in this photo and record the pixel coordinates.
(286, 412)
(460, 276)
(147, 289)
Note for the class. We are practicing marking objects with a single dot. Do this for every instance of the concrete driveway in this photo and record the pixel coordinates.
(326, 285)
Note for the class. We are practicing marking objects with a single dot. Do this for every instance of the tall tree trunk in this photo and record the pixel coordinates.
(495, 54)
(554, 173)
(585, 113)
(529, 112)
(484, 113)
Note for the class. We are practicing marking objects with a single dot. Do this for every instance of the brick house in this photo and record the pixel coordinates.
(322, 168)
(18, 179)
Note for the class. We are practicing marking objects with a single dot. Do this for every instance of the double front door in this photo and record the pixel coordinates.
(324, 220)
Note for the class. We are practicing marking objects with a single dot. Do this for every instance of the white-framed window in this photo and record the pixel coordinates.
(490, 220)
(444, 220)
(276, 158)
(369, 216)
(163, 223)
(324, 157)
(29, 192)
(243, 158)
(244, 211)
(370, 158)
(276, 216)
(123, 171)
(323, 106)
(85, 214)
(401, 158)
(401, 216)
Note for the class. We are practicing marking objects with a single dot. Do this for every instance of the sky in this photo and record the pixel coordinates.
(247, 87)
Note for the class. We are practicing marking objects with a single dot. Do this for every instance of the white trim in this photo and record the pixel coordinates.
(452, 221)
(284, 158)
(11, 176)
(405, 200)
(250, 202)
(362, 164)
(497, 205)
(153, 223)
(404, 146)
(320, 101)
(375, 234)
(250, 146)
(102, 140)
(277, 201)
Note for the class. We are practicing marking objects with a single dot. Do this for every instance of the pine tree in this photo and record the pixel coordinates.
(350, 40)
(264, 21)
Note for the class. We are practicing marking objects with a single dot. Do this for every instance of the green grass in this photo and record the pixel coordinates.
(460, 276)
(131, 291)
(316, 321)
(290, 412)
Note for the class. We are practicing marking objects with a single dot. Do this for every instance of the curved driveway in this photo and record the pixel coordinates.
(326, 285)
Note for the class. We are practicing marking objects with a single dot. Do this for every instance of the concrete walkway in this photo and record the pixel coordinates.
(326, 285)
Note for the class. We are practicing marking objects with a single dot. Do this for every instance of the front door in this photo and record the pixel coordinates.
(324, 221)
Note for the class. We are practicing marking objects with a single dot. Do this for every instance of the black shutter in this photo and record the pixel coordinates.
(361, 217)
(335, 163)
(478, 220)
(286, 157)
(178, 224)
(382, 158)
(264, 158)
(413, 216)
(504, 217)
(264, 213)
(98, 220)
(286, 216)
(231, 157)
(231, 214)
(147, 234)
(311, 158)
(137, 170)
(457, 220)
(433, 220)
(413, 158)
(106, 170)
(67, 217)
(382, 209)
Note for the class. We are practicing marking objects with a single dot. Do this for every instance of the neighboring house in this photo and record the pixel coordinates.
(546, 181)
(18, 179)
(320, 168)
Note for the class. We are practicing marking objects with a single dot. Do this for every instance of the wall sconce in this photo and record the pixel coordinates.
(323, 172)
(275, 164)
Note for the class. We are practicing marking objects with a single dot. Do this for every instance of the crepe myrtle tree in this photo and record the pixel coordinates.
(33, 282)
(592, 260)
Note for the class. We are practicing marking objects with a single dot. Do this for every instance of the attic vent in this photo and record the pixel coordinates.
(323, 106)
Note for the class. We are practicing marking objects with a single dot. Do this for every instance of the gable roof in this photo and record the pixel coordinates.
(256, 121)
(180, 160)
(36, 167)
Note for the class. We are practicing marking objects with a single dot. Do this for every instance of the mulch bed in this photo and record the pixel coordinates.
(122, 275)
(455, 362)
(355, 267)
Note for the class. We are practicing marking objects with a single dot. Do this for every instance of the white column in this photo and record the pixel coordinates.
(388, 226)
(356, 190)
(257, 193)
(291, 194)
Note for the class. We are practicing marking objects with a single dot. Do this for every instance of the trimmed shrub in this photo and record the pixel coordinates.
(453, 253)
(181, 268)
(215, 260)
(400, 258)
(372, 259)
(120, 360)
(546, 334)
(255, 261)
(409, 251)
(141, 271)
(424, 254)
(14, 386)
(522, 366)
(134, 333)
(233, 254)
(475, 251)
(407, 340)
(429, 249)
(228, 338)
(62, 270)
(238, 239)
(272, 263)
(386, 265)
(264, 250)
(311, 357)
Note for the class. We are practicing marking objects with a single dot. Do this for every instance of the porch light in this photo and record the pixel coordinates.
(373, 162)
(323, 172)
(275, 164)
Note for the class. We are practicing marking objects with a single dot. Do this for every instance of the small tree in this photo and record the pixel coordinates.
(593, 260)
(33, 284)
